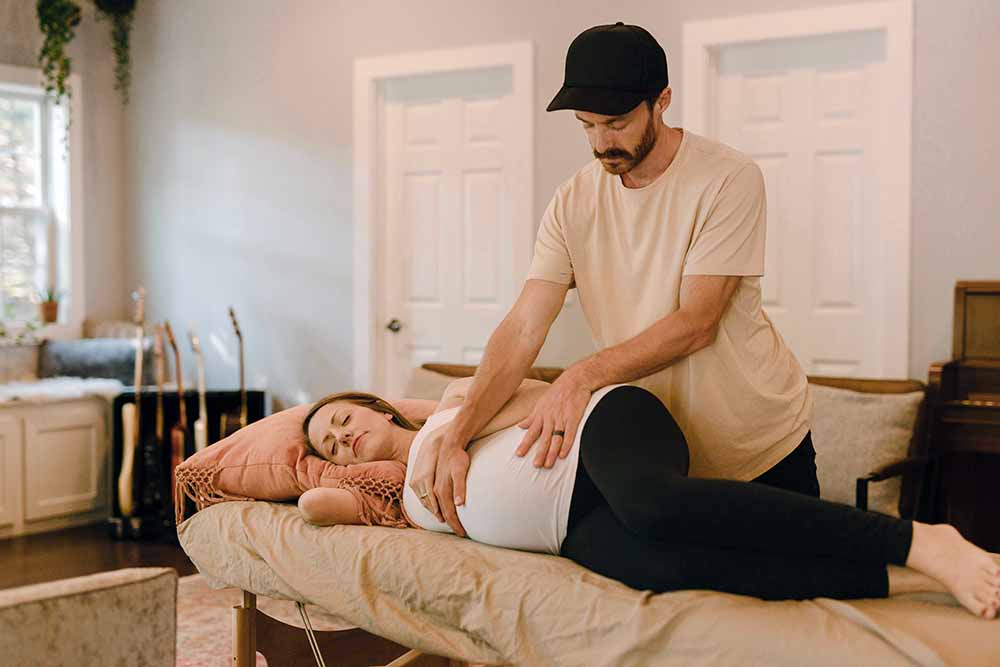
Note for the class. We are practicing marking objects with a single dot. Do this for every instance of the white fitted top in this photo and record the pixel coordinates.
(509, 502)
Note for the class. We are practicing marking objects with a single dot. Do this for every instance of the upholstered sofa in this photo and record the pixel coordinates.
(121, 617)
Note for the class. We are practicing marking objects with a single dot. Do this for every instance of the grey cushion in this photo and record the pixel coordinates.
(95, 358)
(855, 433)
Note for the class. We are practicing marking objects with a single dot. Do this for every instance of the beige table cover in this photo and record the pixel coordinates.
(453, 597)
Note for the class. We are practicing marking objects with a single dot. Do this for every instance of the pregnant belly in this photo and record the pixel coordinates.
(509, 503)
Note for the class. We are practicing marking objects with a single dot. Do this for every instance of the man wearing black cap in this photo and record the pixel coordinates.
(663, 237)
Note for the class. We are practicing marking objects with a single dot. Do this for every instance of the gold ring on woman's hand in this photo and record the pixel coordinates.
(559, 433)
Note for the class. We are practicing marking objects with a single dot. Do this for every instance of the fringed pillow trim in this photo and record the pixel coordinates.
(198, 484)
(380, 501)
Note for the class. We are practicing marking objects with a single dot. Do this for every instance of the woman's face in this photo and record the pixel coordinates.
(346, 433)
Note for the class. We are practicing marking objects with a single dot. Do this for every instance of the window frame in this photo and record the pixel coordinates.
(69, 256)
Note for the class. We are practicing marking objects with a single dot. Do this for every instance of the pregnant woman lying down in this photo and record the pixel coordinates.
(621, 505)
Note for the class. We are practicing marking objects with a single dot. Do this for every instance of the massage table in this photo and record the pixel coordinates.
(401, 597)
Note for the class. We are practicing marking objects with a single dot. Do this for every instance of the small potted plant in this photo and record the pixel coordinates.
(48, 304)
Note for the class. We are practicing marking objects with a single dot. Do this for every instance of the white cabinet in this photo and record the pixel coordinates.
(10, 469)
(65, 460)
(55, 459)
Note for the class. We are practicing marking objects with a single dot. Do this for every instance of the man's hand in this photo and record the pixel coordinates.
(559, 409)
(439, 475)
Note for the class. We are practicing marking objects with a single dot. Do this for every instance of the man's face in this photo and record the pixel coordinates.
(620, 142)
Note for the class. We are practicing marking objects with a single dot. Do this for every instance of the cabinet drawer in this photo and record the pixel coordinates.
(65, 460)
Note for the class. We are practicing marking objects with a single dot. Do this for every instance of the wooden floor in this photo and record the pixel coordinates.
(73, 552)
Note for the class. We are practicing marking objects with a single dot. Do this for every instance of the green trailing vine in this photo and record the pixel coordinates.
(57, 20)
(120, 13)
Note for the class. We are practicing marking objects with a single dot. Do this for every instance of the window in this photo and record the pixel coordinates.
(35, 162)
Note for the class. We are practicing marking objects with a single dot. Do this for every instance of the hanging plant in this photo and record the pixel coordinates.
(57, 20)
(120, 13)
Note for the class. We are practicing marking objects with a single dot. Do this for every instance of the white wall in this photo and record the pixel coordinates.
(956, 165)
(238, 159)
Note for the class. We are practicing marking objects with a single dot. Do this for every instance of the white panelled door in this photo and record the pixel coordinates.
(808, 111)
(451, 255)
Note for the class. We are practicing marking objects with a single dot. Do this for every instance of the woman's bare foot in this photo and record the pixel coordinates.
(971, 574)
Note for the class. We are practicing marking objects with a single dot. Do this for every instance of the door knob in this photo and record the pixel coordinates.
(394, 325)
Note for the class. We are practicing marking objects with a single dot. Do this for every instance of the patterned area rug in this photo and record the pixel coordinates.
(205, 622)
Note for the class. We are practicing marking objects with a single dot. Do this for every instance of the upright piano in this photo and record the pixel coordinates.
(964, 435)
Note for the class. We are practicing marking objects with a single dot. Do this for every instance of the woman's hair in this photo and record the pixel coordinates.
(363, 399)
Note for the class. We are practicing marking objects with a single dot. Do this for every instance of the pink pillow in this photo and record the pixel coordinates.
(268, 460)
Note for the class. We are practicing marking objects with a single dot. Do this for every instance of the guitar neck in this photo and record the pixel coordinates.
(243, 384)
(202, 402)
(137, 368)
(130, 412)
(137, 378)
(199, 361)
(180, 388)
(243, 388)
(159, 362)
(182, 408)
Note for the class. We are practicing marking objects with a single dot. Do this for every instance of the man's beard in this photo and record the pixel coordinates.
(629, 160)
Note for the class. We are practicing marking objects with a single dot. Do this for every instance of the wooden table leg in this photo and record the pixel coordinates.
(245, 632)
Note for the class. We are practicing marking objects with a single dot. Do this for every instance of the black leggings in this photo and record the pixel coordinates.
(636, 517)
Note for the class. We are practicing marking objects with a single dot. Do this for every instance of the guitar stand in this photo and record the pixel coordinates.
(143, 528)
(127, 528)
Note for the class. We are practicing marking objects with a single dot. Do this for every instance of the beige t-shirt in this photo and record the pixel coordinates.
(743, 402)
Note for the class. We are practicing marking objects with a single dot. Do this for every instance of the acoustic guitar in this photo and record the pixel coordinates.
(231, 421)
(152, 448)
(201, 423)
(178, 432)
(132, 413)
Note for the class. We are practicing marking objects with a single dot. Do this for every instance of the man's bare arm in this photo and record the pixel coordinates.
(509, 354)
(513, 411)
(556, 417)
(439, 475)
(693, 326)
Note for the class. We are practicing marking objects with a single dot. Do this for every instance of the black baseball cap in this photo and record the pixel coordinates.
(610, 69)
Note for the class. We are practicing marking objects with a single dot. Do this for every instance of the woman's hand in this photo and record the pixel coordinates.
(434, 476)
(424, 468)
(442, 466)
